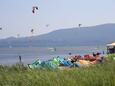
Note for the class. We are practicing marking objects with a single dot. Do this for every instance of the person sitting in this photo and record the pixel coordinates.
(98, 58)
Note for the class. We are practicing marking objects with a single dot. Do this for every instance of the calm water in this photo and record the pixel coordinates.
(10, 55)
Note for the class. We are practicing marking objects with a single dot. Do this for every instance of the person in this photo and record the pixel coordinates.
(94, 54)
(98, 58)
(69, 53)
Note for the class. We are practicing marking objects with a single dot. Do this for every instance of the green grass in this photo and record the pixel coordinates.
(111, 56)
(96, 75)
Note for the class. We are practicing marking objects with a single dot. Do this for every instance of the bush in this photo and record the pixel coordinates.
(111, 56)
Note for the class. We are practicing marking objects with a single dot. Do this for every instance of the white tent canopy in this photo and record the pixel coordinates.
(112, 44)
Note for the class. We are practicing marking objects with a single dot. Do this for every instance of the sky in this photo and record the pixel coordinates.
(16, 16)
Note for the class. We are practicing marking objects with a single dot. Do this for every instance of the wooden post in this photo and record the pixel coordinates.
(20, 59)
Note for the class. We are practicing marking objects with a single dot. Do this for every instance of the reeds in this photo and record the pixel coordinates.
(95, 75)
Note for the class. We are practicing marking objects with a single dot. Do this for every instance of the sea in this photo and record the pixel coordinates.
(10, 56)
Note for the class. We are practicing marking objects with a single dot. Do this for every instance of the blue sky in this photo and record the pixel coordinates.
(16, 16)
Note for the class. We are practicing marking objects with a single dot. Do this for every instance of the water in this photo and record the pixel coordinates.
(9, 56)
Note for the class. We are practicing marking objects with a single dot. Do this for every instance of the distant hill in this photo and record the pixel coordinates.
(84, 36)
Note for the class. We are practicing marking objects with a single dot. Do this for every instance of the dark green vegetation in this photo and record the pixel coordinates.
(111, 56)
(95, 75)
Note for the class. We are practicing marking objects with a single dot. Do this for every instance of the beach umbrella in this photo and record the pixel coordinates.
(34, 8)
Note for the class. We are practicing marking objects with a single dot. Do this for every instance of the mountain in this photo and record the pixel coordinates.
(83, 36)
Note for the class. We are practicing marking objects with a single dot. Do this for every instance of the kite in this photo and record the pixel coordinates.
(34, 8)
(47, 25)
(0, 28)
(32, 31)
(79, 25)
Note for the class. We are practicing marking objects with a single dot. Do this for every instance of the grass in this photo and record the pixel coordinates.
(111, 56)
(96, 75)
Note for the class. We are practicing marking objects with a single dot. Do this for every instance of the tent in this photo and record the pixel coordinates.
(111, 48)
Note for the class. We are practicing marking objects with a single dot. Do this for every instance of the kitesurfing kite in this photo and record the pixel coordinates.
(47, 25)
(0, 28)
(34, 8)
(18, 35)
(32, 31)
(79, 25)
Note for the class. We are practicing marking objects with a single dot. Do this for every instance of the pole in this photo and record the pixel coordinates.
(20, 59)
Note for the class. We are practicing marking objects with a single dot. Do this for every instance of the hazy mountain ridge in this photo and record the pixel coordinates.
(94, 35)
